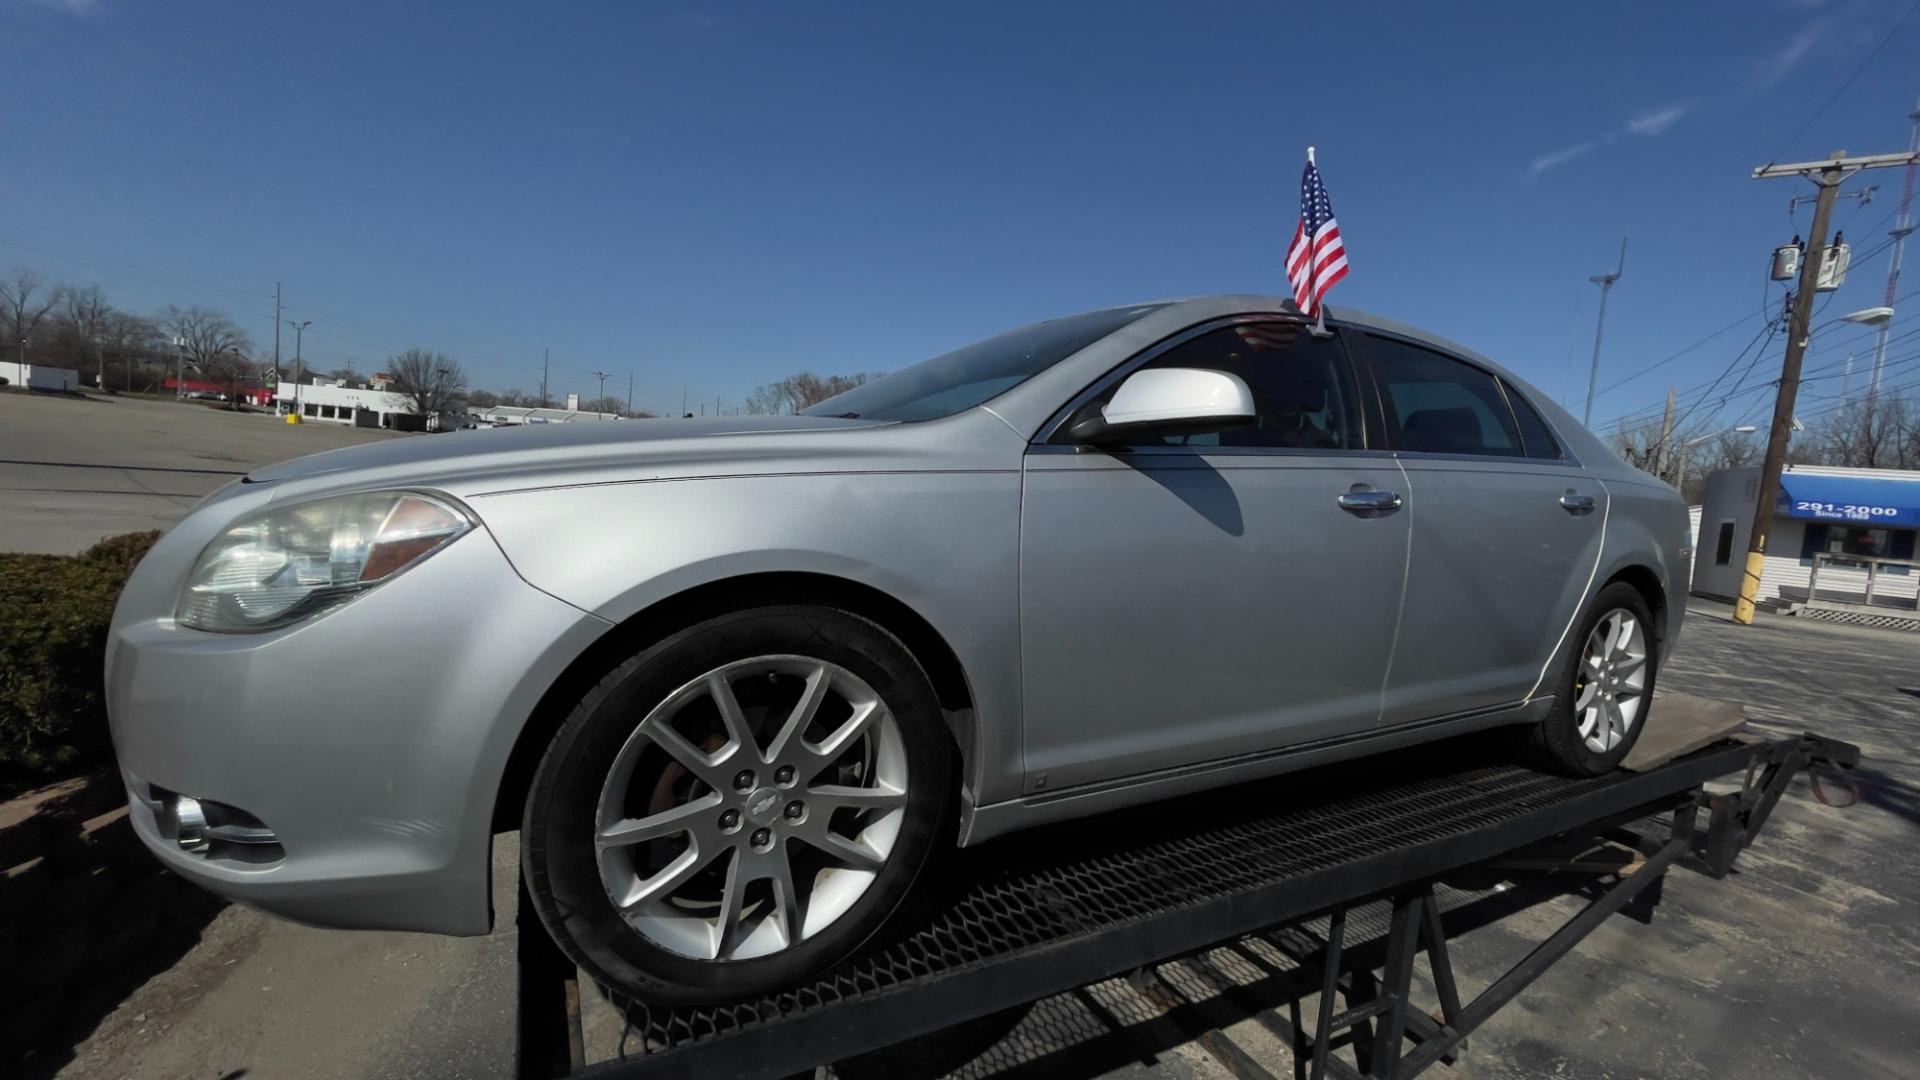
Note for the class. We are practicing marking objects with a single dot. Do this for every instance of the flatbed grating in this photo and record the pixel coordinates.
(1275, 849)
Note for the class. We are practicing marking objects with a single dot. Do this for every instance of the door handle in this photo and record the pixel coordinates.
(1575, 503)
(1361, 502)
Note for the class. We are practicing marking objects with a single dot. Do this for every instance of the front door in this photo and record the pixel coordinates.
(1195, 598)
(1506, 534)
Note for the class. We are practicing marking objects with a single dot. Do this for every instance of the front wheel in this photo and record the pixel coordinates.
(1606, 689)
(738, 807)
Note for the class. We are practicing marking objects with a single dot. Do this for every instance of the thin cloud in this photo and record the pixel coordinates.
(1778, 66)
(71, 7)
(1558, 157)
(1657, 121)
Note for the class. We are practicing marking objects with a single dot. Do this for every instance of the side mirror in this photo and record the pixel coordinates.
(1168, 401)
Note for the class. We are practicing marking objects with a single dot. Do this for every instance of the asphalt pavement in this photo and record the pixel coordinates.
(76, 469)
(1801, 963)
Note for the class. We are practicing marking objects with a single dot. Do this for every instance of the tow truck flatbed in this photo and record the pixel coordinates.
(1064, 907)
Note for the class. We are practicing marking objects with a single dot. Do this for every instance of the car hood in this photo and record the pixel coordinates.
(527, 451)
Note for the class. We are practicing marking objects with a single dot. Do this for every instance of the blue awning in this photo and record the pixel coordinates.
(1861, 500)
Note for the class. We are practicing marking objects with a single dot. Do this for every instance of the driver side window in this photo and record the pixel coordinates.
(1300, 388)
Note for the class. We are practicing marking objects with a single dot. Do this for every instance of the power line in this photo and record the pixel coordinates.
(1643, 415)
(1817, 113)
(1824, 347)
(1771, 330)
(1670, 359)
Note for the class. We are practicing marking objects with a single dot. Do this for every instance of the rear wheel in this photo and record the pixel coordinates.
(1606, 688)
(738, 807)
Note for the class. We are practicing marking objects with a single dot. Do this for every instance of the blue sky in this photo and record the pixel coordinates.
(711, 196)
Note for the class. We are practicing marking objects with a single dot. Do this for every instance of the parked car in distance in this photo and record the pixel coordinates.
(738, 677)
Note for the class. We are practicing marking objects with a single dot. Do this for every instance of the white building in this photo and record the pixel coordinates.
(516, 415)
(39, 377)
(1855, 527)
(332, 401)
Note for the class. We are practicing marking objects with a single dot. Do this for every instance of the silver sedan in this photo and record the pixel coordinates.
(735, 679)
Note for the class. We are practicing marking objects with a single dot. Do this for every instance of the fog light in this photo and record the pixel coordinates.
(212, 830)
(189, 823)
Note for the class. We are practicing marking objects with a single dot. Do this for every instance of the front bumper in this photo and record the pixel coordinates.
(370, 741)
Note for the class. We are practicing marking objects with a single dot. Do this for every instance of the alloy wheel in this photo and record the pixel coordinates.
(1609, 692)
(752, 808)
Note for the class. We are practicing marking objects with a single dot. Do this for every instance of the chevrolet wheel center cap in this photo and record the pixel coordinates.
(762, 804)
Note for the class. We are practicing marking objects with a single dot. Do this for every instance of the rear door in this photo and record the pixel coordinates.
(1188, 599)
(1506, 533)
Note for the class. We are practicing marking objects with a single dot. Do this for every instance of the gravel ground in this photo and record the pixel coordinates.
(1802, 963)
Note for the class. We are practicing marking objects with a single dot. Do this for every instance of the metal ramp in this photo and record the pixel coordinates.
(1071, 905)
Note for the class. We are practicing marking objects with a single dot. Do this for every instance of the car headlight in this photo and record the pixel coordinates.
(290, 563)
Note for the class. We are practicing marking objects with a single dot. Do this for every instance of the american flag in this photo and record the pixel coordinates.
(1317, 259)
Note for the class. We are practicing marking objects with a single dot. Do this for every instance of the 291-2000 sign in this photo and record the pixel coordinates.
(1848, 510)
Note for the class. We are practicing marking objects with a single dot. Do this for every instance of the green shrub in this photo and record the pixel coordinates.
(54, 611)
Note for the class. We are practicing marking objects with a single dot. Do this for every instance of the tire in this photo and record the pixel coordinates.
(615, 770)
(1584, 717)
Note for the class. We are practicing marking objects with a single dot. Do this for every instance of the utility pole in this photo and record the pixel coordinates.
(276, 338)
(683, 402)
(602, 399)
(1901, 229)
(544, 360)
(629, 391)
(1828, 175)
(1661, 456)
(299, 332)
(1605, 281)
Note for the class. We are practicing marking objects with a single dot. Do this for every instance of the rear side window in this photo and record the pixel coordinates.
(1535, 439)
(1444, 406)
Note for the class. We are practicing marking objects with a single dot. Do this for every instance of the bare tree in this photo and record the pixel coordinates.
(87, 312)
(482, 399)
(607, 404)
(798, 391)
(430, 380)
(232, 372)
(204, 335)
(25, 299)
(129, 339)
(1868, 436)
(1640, 445)
(1728, 450)
(513, 395)
(1735, 450)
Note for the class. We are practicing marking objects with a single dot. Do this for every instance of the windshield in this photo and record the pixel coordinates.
(975, 373)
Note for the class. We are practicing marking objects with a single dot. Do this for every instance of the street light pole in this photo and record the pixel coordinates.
(602, 399)
(299, 332)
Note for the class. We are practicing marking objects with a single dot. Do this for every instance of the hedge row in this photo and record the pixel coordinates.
(54, 612)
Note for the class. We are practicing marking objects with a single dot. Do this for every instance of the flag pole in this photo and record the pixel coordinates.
(1319, 328)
